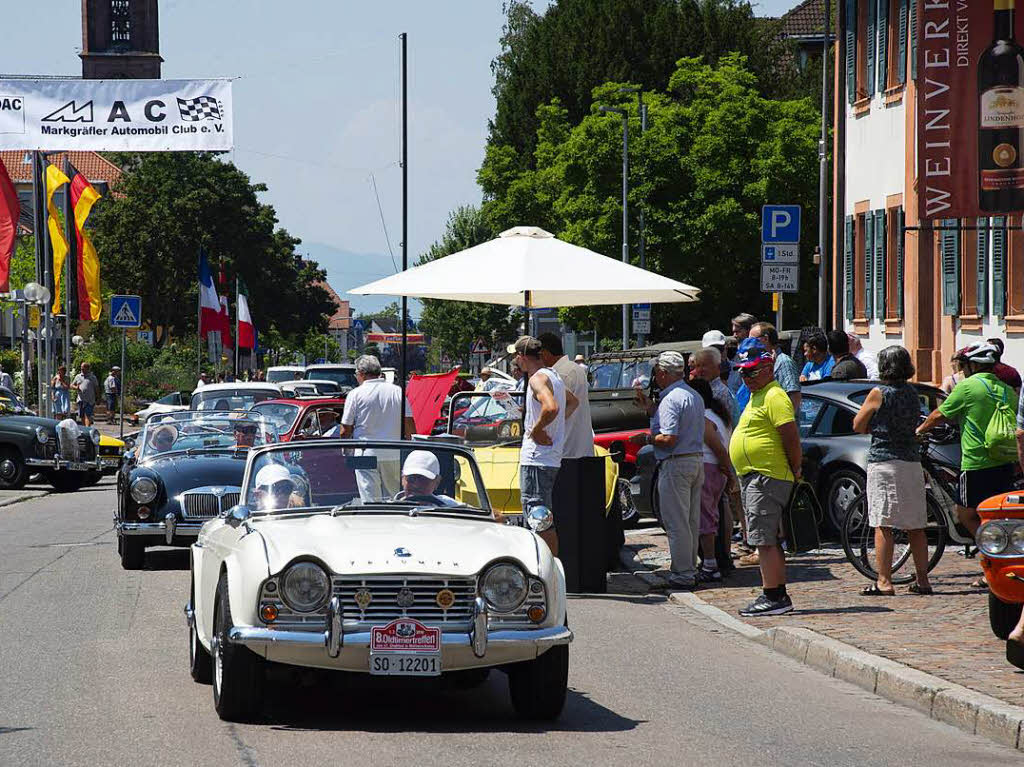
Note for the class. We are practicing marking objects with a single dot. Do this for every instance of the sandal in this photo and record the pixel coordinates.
(981, 583)
(874, 591)
(924, 591)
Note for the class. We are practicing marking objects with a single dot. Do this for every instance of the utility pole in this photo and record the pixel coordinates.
(642, 108)
(625, 209)
(823, 178)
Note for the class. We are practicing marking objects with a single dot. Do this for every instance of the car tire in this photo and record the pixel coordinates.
(1002, 616)
(238, 673)
(538, 687)
(630, 514)
(200, 663)
(92, 478)
(67, 481)
(842, 488)
(132, 551)
(13, 472)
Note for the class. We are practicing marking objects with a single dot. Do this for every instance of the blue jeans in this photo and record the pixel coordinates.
(536, 484)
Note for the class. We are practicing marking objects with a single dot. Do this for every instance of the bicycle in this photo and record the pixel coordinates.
(941, 480)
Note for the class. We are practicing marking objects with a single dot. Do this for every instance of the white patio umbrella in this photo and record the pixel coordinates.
(526, 266)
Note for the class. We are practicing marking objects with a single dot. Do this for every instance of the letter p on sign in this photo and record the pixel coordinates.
(780, 223)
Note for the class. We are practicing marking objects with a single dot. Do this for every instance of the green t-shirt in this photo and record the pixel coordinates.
(971, 405)
(756, 444)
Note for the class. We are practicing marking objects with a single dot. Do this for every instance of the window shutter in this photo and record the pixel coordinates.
(999, 237)
(950, 267)
(900, 234)
(901, 48)
(883, 44)
(851, 50)
(880, 271)
(913, 39)
(848, 268)
(871, 47)
(869, 252)
(981, 267)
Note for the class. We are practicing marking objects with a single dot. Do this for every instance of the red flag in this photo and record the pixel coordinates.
(426, 395)
(10, 210)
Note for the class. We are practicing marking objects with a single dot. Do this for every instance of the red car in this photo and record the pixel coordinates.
(298, 418)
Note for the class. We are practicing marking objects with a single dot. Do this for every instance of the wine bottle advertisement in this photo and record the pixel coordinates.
(970, 102)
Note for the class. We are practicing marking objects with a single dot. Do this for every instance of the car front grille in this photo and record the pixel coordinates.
(203, 503)
(399, 596)
(86, 449)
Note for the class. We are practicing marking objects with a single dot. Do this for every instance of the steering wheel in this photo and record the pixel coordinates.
(433, 500)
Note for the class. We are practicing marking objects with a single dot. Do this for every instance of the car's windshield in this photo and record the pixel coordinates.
(174, 398)
(231, 399)
(344, 377)
(487, 418)
(193, 430)
(276, 376)
(280, 414)
(622, 374)
(360, 476)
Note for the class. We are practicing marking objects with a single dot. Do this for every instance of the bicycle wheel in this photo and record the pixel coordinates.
(858, 538)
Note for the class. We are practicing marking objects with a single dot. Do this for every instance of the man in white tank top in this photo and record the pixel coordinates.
(548, 404)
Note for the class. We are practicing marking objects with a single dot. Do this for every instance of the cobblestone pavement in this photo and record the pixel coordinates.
(947, 634)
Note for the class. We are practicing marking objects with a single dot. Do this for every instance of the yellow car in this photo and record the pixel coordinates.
(111, 453)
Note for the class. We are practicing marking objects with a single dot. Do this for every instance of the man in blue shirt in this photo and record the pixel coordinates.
(819, 361)
(678, 433)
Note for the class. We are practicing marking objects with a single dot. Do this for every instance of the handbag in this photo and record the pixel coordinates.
(801, 518)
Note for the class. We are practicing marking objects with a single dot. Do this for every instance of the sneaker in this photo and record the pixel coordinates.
(737, 537)
(677, 583)
(708, 576)
(750, 559)
(765, 606)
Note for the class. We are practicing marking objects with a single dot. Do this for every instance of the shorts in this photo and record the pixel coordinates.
(896, 495)
(111, 402)
(710, 495)
(764, 500)
(978, 484)
(85, 409)
(536, 486)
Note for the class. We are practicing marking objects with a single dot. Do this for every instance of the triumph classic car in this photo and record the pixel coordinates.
(380, 558)
(184, 469)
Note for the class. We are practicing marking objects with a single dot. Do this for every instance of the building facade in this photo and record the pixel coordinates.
(931, 286)
(120, 40)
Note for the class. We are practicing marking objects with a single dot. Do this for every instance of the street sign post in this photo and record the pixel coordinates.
(125, 313)
(780, 253)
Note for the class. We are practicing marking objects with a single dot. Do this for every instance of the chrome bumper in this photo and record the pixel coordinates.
(59, 464)
(157, 528)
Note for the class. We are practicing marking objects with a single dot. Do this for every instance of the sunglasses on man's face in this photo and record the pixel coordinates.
(749, 372)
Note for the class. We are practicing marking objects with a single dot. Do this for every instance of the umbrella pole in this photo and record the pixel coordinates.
(405, 232)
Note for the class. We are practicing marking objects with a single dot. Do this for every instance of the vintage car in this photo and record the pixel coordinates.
(62, 452)
(492, 426)
(310, 388)
(240, 395)
(172, 402)
(298, 418)
(1001, 543)
(184, 469)
(342, 374)
(382, 558)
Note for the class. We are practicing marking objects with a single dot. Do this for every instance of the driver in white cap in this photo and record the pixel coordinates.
(275, 489)
(421, 474)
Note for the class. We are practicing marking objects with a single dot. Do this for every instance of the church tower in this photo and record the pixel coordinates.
(120, 40)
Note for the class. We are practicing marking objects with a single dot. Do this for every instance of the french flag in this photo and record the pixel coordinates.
(209, 304)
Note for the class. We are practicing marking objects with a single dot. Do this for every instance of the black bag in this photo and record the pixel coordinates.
(801, 518)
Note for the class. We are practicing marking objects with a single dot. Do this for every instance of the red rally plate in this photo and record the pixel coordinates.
(405, 647)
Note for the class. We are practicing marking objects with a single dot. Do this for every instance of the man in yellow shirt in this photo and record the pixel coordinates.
(765, 450)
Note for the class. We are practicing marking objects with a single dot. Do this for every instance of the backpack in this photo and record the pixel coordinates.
(1001, 432)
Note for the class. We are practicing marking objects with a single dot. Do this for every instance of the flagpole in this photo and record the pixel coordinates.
(199, 316)
(72, 253)
(44, 403)
(236, 327)
(405, 226)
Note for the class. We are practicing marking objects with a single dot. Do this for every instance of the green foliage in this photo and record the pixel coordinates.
(150, 372)
(453, 326)
(714, 152)
(320, 345)
(167, 205)
(391, 313)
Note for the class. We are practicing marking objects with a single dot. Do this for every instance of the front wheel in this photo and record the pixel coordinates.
(630, 514)
(237, 670)
(1002, 616)
(13, 472)
(133, 552)
(858, 538)
(538, 687)
(844, 488)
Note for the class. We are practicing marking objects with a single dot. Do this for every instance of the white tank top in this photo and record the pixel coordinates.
(533, 454)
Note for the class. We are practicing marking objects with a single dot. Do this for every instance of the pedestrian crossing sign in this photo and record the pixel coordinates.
(125, 311)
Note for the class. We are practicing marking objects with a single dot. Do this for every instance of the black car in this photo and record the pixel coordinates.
(835, 456)
(184, 469)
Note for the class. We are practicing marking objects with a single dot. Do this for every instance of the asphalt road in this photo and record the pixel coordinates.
(94, 672)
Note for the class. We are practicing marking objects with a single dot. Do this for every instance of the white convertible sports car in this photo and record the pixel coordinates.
(362, 557)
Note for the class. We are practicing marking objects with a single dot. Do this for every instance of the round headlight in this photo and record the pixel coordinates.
(504, 587)
(992, 539)
(1017, 538)
(94, 435)
(305, 587)
(41, 435)
(143, 489)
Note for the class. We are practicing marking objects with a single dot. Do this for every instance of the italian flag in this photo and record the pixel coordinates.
(246, 334)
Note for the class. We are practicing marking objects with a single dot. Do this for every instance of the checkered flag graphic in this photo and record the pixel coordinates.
(200, 108)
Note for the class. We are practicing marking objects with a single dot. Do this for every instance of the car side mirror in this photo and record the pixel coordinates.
(540, 518)
(236, 515)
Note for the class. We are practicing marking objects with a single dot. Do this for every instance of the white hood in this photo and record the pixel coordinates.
(366, 543)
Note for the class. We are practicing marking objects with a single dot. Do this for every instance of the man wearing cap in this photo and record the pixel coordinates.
(112, 389)
(765, 449)
(245, 433)
(678, 433)
(579, 432)
(485, 374)
(548, 404)
(421, 475)
(274, 488)
(784, 369)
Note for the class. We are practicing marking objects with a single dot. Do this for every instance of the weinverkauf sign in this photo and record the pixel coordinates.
(116, 115)
(970, 108)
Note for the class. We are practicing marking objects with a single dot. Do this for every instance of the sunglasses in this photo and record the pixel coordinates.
(749, 372)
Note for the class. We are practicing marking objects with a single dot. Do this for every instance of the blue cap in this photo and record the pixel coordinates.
(750, 352)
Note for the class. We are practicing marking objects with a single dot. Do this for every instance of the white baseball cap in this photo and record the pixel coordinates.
(713, 338)
(422, 463)
(271, 474)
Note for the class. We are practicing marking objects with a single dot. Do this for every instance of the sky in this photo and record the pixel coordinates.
(316, 108)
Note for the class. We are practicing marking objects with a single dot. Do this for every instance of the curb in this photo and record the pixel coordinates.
(24, 497)
(937, 698)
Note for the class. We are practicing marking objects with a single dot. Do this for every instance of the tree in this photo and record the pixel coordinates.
(390, 313)
(453, 326)
(715, 150)
(166, 205)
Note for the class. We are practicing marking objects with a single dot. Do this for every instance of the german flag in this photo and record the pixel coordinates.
(55, 179)
(83, 197)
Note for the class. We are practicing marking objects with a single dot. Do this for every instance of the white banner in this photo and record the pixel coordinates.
(116, 115)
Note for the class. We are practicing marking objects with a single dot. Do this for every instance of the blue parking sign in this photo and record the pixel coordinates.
(125, 311)
(780, 223)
